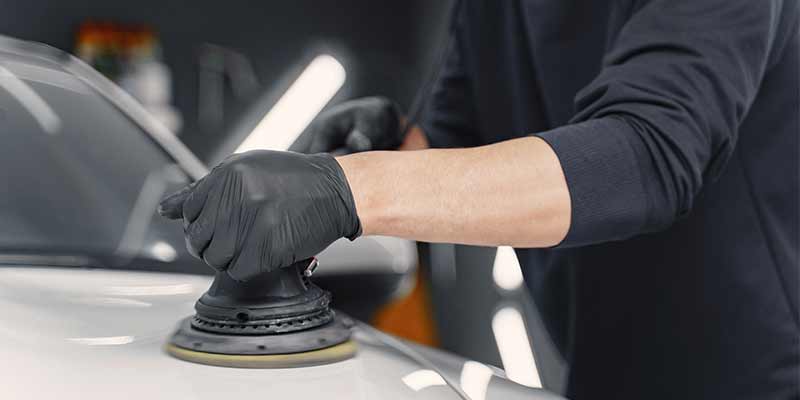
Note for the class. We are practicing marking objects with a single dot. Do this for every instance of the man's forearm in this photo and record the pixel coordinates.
(510, 193)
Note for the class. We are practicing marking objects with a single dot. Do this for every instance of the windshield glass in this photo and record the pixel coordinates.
(76, 175)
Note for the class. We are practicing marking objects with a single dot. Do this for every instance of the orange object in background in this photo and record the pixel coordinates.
(108, 46)
(410, 317)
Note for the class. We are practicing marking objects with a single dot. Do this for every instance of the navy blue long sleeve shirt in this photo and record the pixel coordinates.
(676, 124)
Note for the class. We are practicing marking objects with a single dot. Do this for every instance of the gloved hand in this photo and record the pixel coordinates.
(370, 123)
(263, 210)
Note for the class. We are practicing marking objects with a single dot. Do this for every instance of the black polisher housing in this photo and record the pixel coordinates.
(279, 312)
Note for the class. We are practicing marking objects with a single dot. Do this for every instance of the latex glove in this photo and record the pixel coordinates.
(370, 123)
(263, 210)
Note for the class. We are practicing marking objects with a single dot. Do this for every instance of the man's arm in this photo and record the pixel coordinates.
(658, 122)
(510, 193)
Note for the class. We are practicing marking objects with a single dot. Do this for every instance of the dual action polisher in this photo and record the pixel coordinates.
(280, 319)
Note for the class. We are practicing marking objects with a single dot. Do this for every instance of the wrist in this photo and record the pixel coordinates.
(355, 170)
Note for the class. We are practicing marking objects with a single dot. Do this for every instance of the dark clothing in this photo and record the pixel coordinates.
(676, 124)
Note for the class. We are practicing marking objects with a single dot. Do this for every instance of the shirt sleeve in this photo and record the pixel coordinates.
(661, 118)
(448, 118)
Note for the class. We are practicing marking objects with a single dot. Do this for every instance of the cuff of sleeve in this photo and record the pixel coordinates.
(599, 160)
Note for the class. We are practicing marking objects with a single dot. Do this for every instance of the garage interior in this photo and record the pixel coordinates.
(664, 142)
(228, 65)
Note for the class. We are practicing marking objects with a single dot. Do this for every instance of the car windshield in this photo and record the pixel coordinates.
(77, 176)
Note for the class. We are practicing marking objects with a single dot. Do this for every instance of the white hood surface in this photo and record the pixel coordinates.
(93, 334)
(98, 334)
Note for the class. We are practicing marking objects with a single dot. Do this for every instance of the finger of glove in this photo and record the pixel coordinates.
(250, 261)
(328, 138)
(200, 231)
(172, 206)
(222, 246)
(381, 132)
(358, 141)
(196, 199)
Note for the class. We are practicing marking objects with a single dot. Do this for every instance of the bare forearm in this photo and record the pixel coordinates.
(510, 193)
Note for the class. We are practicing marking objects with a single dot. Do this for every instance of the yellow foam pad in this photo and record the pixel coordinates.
(339, 352)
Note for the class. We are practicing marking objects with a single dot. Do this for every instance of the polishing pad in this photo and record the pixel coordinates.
(321, 345)
(339, 352)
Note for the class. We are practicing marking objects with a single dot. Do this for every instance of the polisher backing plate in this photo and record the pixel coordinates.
(321, 345)
(339, 352)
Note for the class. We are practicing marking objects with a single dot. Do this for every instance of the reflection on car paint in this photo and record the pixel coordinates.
(115, 302)
(163, 251)
(102, 341)
(423, 378)
(36, 106)
(150, 290)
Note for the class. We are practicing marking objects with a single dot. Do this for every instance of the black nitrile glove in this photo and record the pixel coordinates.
(370, 123)
(263, 210)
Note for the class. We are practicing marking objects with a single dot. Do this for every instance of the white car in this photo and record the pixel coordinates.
(93, 282)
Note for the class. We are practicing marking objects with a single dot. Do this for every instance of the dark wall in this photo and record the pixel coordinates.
(386, 47)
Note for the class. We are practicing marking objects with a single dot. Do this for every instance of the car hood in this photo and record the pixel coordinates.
(99, 334)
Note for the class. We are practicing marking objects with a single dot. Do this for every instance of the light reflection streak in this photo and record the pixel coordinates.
(152, 290)
(113, 302)
(422, 379)
(36, 106)
(102, 341)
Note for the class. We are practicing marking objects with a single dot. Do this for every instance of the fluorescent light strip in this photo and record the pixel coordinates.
(307, 96)
(514, 347)
(506, 272)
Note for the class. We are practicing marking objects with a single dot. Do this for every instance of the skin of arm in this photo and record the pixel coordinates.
(510, 193)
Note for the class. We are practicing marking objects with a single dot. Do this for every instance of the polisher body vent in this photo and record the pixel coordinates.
(280, 325)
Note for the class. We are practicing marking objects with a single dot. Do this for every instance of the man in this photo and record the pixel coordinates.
(668, 187)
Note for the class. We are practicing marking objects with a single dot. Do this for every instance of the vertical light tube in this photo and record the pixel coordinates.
(514, 347)
(307, 96)
(507, 273)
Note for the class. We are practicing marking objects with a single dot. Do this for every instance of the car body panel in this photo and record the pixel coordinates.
(99, 334)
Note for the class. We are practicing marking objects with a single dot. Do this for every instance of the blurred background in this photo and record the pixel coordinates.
(240, 74)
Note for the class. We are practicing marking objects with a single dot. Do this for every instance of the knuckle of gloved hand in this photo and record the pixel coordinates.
(216, 259)
(197, 234)
(191, 248)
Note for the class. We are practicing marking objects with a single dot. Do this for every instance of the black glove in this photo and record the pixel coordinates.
(263, 210)
(370, 123)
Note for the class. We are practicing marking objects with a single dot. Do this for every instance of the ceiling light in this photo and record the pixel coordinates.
(514, 347)
(506, 272)
(307, 96)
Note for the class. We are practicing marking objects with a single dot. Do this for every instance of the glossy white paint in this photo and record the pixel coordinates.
(475, 378)
(96, 334)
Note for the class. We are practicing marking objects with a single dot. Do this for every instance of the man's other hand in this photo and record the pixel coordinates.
(370, 123)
